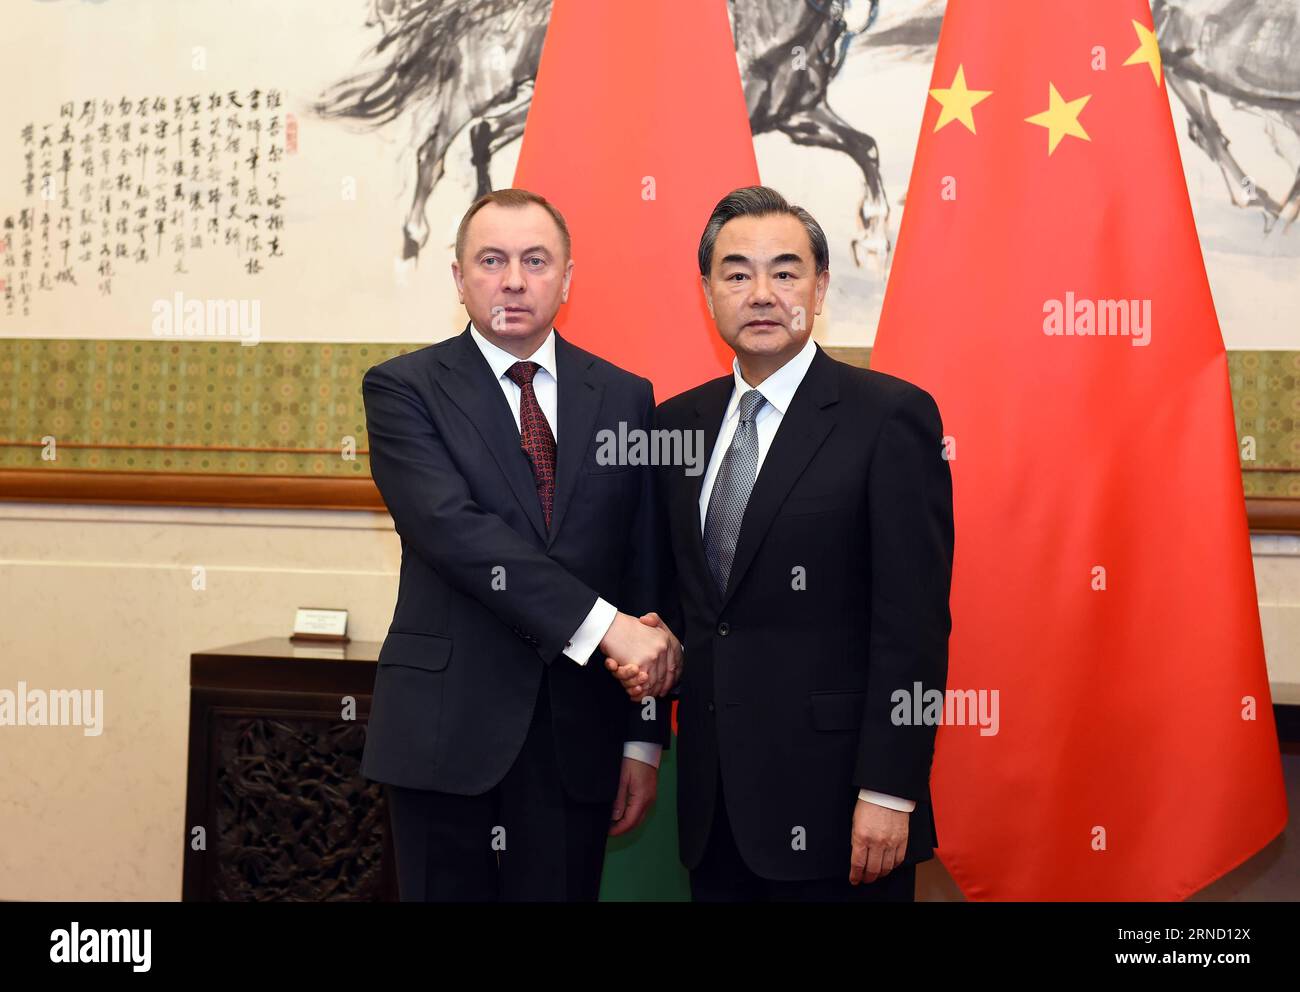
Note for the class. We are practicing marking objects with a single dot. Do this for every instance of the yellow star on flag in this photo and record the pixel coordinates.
(1061, 118)
(957, 102)
(1148, 50)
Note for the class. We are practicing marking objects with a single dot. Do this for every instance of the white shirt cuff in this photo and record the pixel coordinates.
(643, 751)
(588, 636)
(886, 800)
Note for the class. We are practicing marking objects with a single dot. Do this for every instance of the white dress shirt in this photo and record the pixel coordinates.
(778, 389)
(586, 639)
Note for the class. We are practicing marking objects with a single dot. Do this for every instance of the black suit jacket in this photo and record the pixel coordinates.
(488, 596)
(786, 691)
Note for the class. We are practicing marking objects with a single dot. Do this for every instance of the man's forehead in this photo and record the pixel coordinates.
(765, 236)
(530, 223)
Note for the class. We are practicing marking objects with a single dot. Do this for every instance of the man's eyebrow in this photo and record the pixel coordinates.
(785, 258)
(491, 250)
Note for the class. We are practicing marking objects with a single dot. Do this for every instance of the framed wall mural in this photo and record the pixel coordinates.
(215, 216)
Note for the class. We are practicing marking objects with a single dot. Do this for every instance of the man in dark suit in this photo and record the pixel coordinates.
(505, 751)
(813, 562)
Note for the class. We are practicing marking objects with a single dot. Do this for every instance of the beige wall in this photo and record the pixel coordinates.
(101, 598)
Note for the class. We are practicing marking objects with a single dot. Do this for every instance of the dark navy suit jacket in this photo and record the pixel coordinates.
(488, 596)
(837, 598)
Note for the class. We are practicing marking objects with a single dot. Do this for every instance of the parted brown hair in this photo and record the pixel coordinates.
(511, 198)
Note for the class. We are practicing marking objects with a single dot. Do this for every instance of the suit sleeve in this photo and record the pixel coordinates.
(909, 504)
(670, 607)
(672, 610)
(436, 515)
(642, 589)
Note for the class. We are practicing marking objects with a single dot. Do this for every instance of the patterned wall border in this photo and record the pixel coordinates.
(216, 423)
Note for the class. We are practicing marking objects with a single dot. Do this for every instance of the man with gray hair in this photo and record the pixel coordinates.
(813, 560)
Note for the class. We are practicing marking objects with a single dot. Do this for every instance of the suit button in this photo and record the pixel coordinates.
(724, 629)
(709, 706)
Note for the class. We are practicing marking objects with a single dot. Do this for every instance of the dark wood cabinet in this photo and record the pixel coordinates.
(274, 780)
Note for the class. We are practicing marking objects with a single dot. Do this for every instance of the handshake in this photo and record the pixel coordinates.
(643, 654)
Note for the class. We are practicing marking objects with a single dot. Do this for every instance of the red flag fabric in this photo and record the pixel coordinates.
(1049, 291)
(637, 129)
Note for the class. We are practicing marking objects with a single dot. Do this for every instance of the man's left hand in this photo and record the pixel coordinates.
(879, 841)
(637, 787)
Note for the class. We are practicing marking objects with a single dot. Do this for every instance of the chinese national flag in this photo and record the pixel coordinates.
(636, 130)
(1103, 582)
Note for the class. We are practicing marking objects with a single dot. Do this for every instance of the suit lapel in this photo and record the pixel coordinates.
(803, 429)
(710, 405)
(578, 404)
(474, 389)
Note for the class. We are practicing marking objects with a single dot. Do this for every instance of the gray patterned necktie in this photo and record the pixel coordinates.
(731, 491)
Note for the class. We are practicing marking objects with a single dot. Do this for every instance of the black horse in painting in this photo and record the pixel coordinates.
(471, 64)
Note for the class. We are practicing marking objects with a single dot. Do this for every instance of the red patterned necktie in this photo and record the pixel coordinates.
(535, 435)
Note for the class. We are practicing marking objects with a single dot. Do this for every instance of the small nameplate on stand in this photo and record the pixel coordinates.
(313, 624)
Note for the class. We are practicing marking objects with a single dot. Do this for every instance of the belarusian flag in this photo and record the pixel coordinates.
(636, 130)
(1049, 291)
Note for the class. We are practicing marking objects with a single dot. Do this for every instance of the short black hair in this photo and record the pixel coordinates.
(759, 201)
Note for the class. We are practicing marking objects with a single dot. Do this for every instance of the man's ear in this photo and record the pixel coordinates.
(708, 295)
(823, 281)
(568, 278)
(459, 280)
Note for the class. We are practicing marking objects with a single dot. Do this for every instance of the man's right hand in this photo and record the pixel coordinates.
(645, 657)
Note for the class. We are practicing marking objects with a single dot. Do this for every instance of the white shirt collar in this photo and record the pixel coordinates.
(779, 387)
(500, 360)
